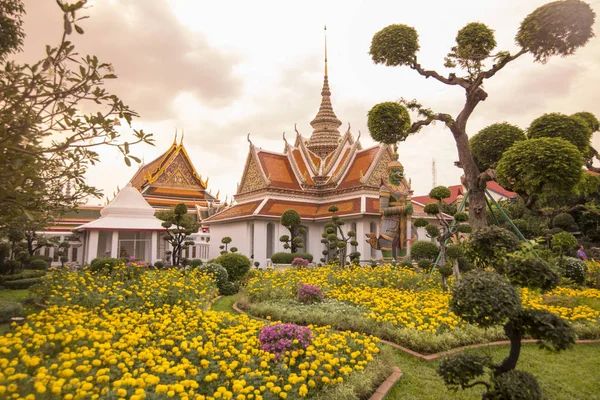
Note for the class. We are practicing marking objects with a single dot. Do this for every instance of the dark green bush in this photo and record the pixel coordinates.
(424, 249)
(9, 309)
(48, 259)
(38, 264)
(573, 268)
(107, 264)
(159, 264)
(228, 289)
(218, 272)
(27, 274)
(237, 265)
(195, 262)
(516, 385)
(564, 243)
(563, 221)
(287, 258)
(531, 272)
(459, 370)
(489, 245)
(22, 283)
(10, 267)
(425, 264)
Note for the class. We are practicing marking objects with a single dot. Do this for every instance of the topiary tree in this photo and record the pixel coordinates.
(557, 28)
(424, 249)
(450, 227)
(488, 247)
(594, 126)
(237, 265)
(225, 240)
(336, 241)
(556, 125)
(388, 123)
(486, 299)
(534, 167)
(291, 220)
(563, 221)
(491, 142)
(179, 225)
(563, 244)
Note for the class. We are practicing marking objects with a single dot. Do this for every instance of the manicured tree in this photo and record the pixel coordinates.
(594, 126)
(488, 247)
(534, 167)
(563, 244)
(291, 220)
(491, 142)
(487, 299)
(225, 240)
(440, 193)
(557, 28)
(556, 125)
(336, 241)
(55, 114)
(179, 225)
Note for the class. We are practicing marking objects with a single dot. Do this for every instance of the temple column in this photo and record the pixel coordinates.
(363, 247)
(153, 247)
(114, 244)
(92, 248)
(260, 242)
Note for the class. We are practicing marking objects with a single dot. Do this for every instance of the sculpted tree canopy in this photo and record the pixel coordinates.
(179, 225)
(388, 123)
(534, 167)
(594, 125)
(11, 27)
(54, 113)
(492, 141)
(557, 28)
(556, 125)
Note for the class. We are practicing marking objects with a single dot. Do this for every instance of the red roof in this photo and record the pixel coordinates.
(455, 191)
(591, 172)
(495, 187)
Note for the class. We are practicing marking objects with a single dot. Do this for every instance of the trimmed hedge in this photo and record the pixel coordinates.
(27, 274)
(195, 262)
(424, 249)
(108, 263)
(237, 265)
(38, 264)
(22, 283)
(9, 309)
(287, 258)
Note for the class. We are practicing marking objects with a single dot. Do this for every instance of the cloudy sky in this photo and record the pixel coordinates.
(221, 69)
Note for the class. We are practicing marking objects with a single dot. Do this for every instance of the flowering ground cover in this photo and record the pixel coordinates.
(401, 305)
(135, 334)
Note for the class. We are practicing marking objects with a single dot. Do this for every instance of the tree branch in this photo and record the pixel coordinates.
(452, 79)
(446, 118)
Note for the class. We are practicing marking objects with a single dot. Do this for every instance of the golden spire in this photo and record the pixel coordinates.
(181, 140)
(175, 139)
(325, 29)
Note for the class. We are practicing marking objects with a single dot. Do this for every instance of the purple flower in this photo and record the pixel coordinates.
(309, 294)
(280, 338)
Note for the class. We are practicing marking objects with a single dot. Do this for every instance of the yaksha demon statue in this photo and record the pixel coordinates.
(395, 209)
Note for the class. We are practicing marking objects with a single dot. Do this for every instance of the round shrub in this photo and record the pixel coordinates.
(228, 289)
(484, 298)
(395, 45)
(564, 243)
(557, 125)
(454, 252)
(10, 309)
(388, 122)
(475, 42)
(491, 142)
(516, 385)
(531, 272)
(22, 283)
(424, 249)
(219, 273)
(563, 221)
(492, 243)
(38, 264)
(573, 268)
(590, 120)
(445, 270)
(237, 265)
(306, 256)
(440, 193)
(420, 222)
(287, 258)
(425, 264)
(10, 267)
(195, 262)
(107, 264)
(159, 264)
(431, 209)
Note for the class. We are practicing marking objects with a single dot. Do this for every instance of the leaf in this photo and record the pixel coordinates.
(128, 162)
(79, 29)
(126, 146)
(68, 28)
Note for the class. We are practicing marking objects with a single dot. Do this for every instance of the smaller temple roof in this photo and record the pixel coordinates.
(127, 211)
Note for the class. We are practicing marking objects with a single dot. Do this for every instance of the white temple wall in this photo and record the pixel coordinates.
(237, 231)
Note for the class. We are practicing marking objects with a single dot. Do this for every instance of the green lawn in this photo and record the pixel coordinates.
(225, 304)
(15, 295)
(570, 375)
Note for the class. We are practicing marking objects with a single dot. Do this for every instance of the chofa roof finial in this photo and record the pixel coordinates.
(248, 139)
(175, 139)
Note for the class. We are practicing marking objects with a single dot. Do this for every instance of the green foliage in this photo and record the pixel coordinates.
(292, 221)
(563, 221)
(557, 28)
(531, 272)
(537, 166)
(474, 44)
(159, 264)
(574, 269)
(425, 264)
(464, 228)
(431, 209)
(38, 264)
(337, 242)
(287, 258)
(553, 332)
(556, 125)
(228, 289)
(218, 272)
(22, 283)
(395, 45)
(564, 243)
(10, 309)
(10, 267)
(516, 385)
(107, 264)
(179, 226)
(490, 143)
(440, 193)
(484, 298)
(195, 262)
(424, 249)
(461, 217)
(433, 231)
(454, 252)
(11, 26)
(388, 122)
(237, 265)
(459, 370)
(420, 222)
(27, 274)
(445, 270)
(590, 120)
(226, 240)
(490, 245)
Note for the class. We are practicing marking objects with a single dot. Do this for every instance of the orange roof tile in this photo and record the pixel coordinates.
(362, 162)
(495, 187)
(455, 190)
(341, 163)
(139, 178)
(315, 159)
(238, 210)
(276, 207)
(302, 166)
(181, 192)
(279, 171)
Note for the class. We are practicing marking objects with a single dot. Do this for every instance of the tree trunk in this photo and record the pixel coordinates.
(510, 362)
(455, 269)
